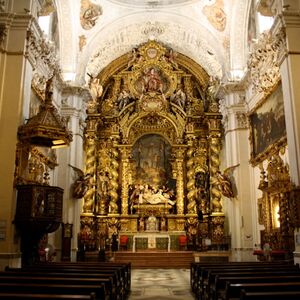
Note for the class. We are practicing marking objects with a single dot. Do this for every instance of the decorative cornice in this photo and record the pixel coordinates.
(9, 22)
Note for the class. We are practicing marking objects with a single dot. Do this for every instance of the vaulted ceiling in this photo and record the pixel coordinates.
(94, 33)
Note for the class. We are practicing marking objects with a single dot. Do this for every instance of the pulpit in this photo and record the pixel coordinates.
(38, 212)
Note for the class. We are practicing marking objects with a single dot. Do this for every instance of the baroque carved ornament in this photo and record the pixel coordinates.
(264, 60)
(40, 51)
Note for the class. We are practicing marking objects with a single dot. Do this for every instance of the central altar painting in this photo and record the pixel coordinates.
(151, 154)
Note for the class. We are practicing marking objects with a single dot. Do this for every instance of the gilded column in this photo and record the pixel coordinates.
(191, 201)
(125, 180)
(214, 151)
(114, 181)
(89, 197)
(179, 181)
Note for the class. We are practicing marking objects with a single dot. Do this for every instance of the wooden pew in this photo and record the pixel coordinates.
(196, 267)
(211, 283)
(124, 269)
(293, 295)
(25, 296)
(120, 281)
(105, 283)
(124, 266)
(55, 289)
(220, 292)
(268, 287)
(217, 284)
(207, 278)
(199, 271)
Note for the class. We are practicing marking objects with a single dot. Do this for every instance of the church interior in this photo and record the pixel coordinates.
(137, 126)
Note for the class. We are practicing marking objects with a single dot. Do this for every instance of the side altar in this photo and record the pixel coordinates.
(152, 144)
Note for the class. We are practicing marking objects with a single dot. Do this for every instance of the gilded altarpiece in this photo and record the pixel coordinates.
(275, 206)
(152, 145)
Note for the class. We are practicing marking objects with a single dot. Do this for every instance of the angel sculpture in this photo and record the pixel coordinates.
(225, 182)
(96, 88)
(81, 184)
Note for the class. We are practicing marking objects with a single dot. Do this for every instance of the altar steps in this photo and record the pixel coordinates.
(145, 259)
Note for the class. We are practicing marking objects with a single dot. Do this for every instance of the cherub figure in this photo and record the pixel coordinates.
(134, 57)
(225, 182)
(81, 184)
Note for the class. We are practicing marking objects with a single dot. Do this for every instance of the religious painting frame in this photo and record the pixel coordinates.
(267, 126)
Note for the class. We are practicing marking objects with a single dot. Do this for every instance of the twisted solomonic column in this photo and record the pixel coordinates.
(90, 163)
(114, 181)
(214, 150)
(125, 167)
(191, 193)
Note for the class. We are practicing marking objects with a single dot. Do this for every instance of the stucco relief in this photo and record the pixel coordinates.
(40, 51)
(121, 42)
(264, 61)
(216, 15)
(89, 14)
(242, 119)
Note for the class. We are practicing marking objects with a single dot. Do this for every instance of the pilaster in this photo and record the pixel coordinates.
(73, 109)
(237, 153)
(290, 72)
(12, 69)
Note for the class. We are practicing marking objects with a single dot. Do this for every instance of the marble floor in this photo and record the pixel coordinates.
(160, 284)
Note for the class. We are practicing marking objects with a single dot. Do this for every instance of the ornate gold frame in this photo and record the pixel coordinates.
(272, 148)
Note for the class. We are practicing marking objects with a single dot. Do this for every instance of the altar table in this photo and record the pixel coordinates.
(151, 236)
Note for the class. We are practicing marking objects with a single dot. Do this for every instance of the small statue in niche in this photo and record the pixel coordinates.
(103, 184)
(152, 81)
(141, 224)
(134, 57)
(123, 99)
(163, 224)
(170, 57)
(179, 97)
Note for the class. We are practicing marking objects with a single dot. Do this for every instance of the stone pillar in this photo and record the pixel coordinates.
(237, 153)
(290, 73)
(73, 109)
(13, 66)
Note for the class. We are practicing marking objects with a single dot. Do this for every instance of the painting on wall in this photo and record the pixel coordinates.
(151, 155)
(267, 125)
